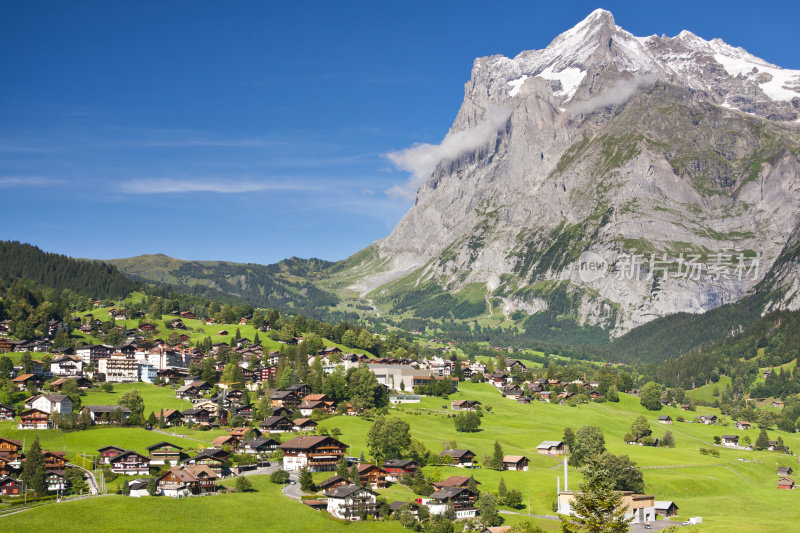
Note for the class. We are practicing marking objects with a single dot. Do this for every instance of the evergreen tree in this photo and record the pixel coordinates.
(501, 490)
(34, 473)
(126, 488)
(307, 480)
(497, 457)
(597, 506)
(762, 442)
(151, 420)
(341, 468)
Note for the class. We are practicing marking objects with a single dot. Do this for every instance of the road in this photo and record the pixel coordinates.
(293, 490)
(94, 488)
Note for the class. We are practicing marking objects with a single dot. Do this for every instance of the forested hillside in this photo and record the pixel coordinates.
(90, 278)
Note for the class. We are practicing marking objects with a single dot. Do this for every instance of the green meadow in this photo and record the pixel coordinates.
(732, 492)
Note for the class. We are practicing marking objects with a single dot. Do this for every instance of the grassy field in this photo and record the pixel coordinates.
(726, 491)
(706, 392)
(266, 509)
(155, 398)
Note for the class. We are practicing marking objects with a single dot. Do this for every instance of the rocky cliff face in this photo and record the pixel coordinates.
(673, 160)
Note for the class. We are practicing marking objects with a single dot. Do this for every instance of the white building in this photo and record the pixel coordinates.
(66, 365)
(119, 369)
(50, 403)
(147, 373)
(350, 502)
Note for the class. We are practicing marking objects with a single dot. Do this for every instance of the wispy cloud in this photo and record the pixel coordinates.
(18, 182)
(617, 94)
(421, 159)
(219, 186)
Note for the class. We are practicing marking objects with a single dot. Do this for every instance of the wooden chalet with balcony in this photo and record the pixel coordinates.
(164, 451)
(516, 462)
(320, 453)
(461, 499)
(34, 419)
(130, 463)
(460, 457)
(397, 468)
(54, 460)
(109, 452)
(214, 458)
(188, 480)
(372, 476)
(351, 502)
(276, 424)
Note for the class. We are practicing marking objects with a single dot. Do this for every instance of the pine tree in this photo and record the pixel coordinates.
(597, 506)
(341, 468)
(762, 442)
(501, 490)
(151, 420)
(34, 472)
(306, 480)
(126, 488)
(497, 457)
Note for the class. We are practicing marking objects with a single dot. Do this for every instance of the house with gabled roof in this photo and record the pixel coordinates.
(741, 424)
(259, 445)
(34, 419)
(455, 481)
(518, 463)
(464, 405)
(461, 499)
(130, 463)
(351, 502)
(105, 414)
(276, 424)
(50, 403)
(164, 451)
(225, 441)
(188, 480)
(303, 424)
(333, 482)
(551, 447)
(461, 457)
(109, 452)
(214, 458)
(320, 453)
(397, 468)
(372, 476)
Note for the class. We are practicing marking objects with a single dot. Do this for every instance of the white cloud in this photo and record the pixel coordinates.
(421, 159)
(367, 192)
(222, 186)
(617, 94)
(9, 182)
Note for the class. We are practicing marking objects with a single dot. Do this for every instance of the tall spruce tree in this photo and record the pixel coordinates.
(34, 473)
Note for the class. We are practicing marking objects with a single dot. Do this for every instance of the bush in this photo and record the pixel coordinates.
(243, 484)
(279, 476)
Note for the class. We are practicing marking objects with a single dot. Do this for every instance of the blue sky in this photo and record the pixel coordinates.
(254, 131)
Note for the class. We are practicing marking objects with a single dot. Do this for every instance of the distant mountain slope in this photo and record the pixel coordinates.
(89, 278)
(289, 284)
(657, 148)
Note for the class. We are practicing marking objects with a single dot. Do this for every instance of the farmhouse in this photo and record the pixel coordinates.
(464, 405)
(639, 508)
(195, 416)
(54, 460)
(130, 463)
(34, 419)
(460, 457)
(260, 445)
(397, 468)
(351, 502)
(741, 424)
(455, 481)
(333, 482)
(710, 420)
(109, 452)
(551, 447)
(460, 498)
(303, 424)
(515, 462)
(276, 424)
(730, 440)
(318, 453)
(105, 414)
(372, 476)
(6, 412)
(784, 470)
(212, 458)
(164, 451)
(666, 509)
(10, 487)
(665, 419)
(23, 380)
(188, 480)
(284, 398)
(225, 441)
(786, 483)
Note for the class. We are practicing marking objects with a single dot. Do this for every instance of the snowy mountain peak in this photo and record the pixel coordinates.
(726, 75)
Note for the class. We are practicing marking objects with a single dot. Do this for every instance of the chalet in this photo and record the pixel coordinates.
(10, 450)
(138, 488)
(685, 407)
(516, 365)
(260, 445)
(10, 487)
(239, 433)
(56, 481)
(245, 411)
(106, 414)
(192, 391)
(333, 482)
(461, 457)
(109, 452)
(9, 468)
(171, 417)
(464, 405)
(301, 390)
(372, 476)
(455, 481)
(281, 411)
(665, 419)
(276, 424)
(284, 398)
(80, 381)
(50, 403)
(351, 502)
(224, 441)
(513, 393)
(188, 480)
(54, 460)
(461, 499)
(23, 380)
(34, 419)
(551, 447)
(195, 416)
(786, 483)
(784, 470)
(208, 405)
(731, 441)
(666, 509)
(710, 420)
(516, 462)
(639, 508)
(397, 468)
(318, 453)
(741, 424)
(164, 451)
(214, 458)
(66, 365)
(222, 333)
(544, 396)
(130, 463)
(303, 424)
